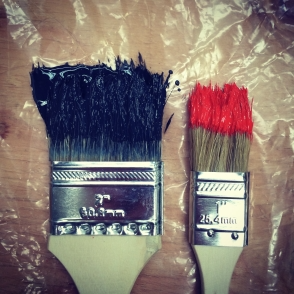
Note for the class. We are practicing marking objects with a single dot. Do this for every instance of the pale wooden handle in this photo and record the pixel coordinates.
(104, 264)
(216, 267)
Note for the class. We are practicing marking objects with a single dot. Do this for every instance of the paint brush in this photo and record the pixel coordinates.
(104, 130)
(221, 133)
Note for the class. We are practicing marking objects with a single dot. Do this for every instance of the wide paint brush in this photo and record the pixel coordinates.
(221, 132)
(104, 129)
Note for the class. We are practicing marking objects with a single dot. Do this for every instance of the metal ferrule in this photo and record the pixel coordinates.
(106, 198)
(219, 208)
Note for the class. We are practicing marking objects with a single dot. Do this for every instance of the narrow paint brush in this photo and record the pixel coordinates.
(221, 133)
(104, 129)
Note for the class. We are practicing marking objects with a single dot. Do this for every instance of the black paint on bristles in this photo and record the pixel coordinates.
(168, 123)
(96, 113)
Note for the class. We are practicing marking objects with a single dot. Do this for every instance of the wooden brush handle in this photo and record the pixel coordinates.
(216, 267)
(104, 264)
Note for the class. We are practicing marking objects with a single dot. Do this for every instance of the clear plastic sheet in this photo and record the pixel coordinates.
(250, 43)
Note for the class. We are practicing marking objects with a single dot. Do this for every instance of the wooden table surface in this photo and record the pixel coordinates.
(217, 41)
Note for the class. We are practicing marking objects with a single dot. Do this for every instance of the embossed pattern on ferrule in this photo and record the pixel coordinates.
(219, 208)
(106, 198)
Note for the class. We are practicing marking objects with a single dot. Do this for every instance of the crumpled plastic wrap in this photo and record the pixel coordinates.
(250, 43)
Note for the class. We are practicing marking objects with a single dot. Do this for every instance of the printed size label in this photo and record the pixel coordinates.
(213, 213)
(104, 203)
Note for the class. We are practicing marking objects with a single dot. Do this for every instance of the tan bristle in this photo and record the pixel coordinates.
(219, 153)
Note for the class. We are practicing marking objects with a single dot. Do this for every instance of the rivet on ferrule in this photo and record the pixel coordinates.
(219, 208)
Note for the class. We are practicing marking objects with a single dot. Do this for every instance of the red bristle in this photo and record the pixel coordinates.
(200, 107)
(250, 121)
(244, 123)
(226, 111)
(226, 122)
(234, 105)
(206, 108)
(241, 120)
(216, 97)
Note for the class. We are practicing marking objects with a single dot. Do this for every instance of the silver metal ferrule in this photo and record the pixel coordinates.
(219, 208)
(106, 198)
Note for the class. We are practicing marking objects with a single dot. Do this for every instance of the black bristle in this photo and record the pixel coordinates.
(96, 113)
(168, 123)
(177, 83)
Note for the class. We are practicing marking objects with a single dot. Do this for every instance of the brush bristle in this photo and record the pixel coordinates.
(221, 128)
(96, 113)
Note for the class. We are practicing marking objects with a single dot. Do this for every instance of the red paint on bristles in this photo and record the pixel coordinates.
(226, 111)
